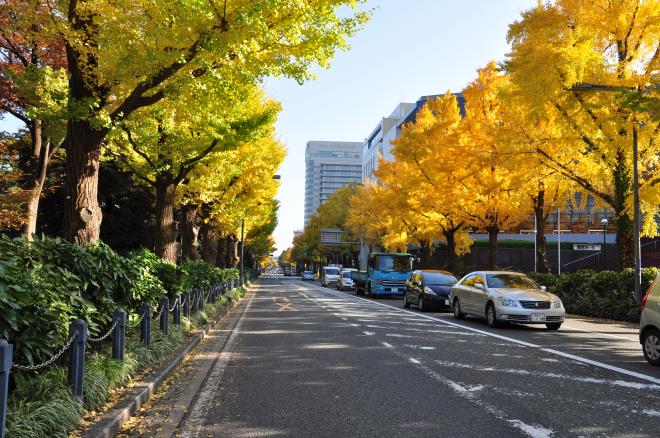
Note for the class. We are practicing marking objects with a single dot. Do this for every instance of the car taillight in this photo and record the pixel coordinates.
(646, 297)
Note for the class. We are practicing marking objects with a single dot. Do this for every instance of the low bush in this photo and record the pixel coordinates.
(603, 294)
(198, 273)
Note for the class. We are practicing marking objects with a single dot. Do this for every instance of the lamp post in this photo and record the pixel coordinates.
(242, 272)
(604, 223)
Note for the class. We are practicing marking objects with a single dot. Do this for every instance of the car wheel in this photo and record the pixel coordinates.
(553, 325)
(456, 308)
(406, 304)
(420, 304)
(491, 315)
(651, 346)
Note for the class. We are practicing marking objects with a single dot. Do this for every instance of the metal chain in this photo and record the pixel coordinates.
(159, 313)
(185, 300)
(101, 338)
(49, 361)
(174, 305)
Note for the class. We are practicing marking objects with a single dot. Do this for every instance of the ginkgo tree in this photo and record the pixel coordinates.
(130, 54)
(162, 144)
(580, 64)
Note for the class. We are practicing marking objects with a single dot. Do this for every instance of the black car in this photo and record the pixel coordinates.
(429, 289)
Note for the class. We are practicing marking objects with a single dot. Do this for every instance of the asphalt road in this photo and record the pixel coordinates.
(302, 360)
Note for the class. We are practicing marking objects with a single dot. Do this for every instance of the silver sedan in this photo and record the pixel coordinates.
(502, 296)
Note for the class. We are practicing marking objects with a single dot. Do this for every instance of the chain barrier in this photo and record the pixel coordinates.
(157, 316)
(109, 332)
(174, 305)
(185, 300)
(49, 361)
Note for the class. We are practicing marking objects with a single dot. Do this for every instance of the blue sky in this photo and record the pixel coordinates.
(410, 48)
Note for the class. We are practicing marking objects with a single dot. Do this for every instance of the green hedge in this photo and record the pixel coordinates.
(47, 283)
(602, 294)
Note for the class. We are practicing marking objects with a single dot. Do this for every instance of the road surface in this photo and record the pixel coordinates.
(296, 359)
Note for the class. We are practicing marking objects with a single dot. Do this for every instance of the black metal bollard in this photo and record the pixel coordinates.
(164, 314)
(145, 326)
(6, 350)
(119, 335)
(186, 307)
(209, 298)
(176, 316)
(78, 328)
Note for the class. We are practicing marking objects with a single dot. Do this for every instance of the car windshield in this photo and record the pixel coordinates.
(394, 263)
(438, 279)
(510, 281)
(347, 274)
(332, 271)
(307, 273)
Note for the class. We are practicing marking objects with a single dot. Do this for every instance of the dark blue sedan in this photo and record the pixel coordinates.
(429, 289)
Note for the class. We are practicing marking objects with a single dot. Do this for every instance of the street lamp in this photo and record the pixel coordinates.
(604, 223)
(242, 274)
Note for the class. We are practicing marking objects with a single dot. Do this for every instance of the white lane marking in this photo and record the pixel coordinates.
(345, 319)
(419, 347)
(516, 341)
(397, 335)
(607, 335)
(369, 333)
(521, 372)
(199, 410)
(469, 393)
(387, 345)
(355, 325)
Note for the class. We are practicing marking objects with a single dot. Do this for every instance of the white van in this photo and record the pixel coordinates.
(329, 276)
(649, 323)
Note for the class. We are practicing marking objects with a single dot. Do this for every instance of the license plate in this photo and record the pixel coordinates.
(446, 302)
(537, 317)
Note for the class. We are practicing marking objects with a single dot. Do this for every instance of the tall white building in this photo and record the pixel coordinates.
(388, 129)
(329, 165)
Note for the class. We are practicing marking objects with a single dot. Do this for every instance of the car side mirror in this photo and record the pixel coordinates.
(479, 286)
(543, 288)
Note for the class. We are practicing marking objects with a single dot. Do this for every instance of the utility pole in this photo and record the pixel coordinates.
(636, 219)
(558, 241)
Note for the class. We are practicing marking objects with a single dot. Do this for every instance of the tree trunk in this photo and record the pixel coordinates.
(425, 253)
(221, 258)
(542, 264)
(450, 237)
(82, 214)
(209, 243)
(493, 232)
(624, 224)
(189, 232)
(36, 176)
(235, 258)
(165, 238)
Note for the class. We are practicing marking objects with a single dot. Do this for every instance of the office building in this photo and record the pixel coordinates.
(329, 165)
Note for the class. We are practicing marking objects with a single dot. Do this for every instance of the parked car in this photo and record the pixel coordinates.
(649, 323)
(501, 296)
(329, 276)
(429, 289)
(308, 275)
(345, 282)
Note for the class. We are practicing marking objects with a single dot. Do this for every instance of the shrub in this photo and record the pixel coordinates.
(603, 294)
(198, 273)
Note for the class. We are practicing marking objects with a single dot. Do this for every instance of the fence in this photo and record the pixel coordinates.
(76, 344)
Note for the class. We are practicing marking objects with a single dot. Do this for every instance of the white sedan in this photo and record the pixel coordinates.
(501, 296)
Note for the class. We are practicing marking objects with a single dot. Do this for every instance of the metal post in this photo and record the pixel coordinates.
(78, 328)
(119, 335)
(604, 222)
(186, 307)
(6, 350)
(242, 249)
(636, 218)
(164, 314)
(193, 304)
(145, 327)
(536, 231)
(176, 317)
(558, 241)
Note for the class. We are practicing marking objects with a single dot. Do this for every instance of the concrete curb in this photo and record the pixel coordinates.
(112, 421)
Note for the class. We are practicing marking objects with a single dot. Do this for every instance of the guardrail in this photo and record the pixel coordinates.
(79, 337)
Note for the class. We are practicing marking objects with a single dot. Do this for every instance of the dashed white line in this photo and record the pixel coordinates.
(387, 345)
